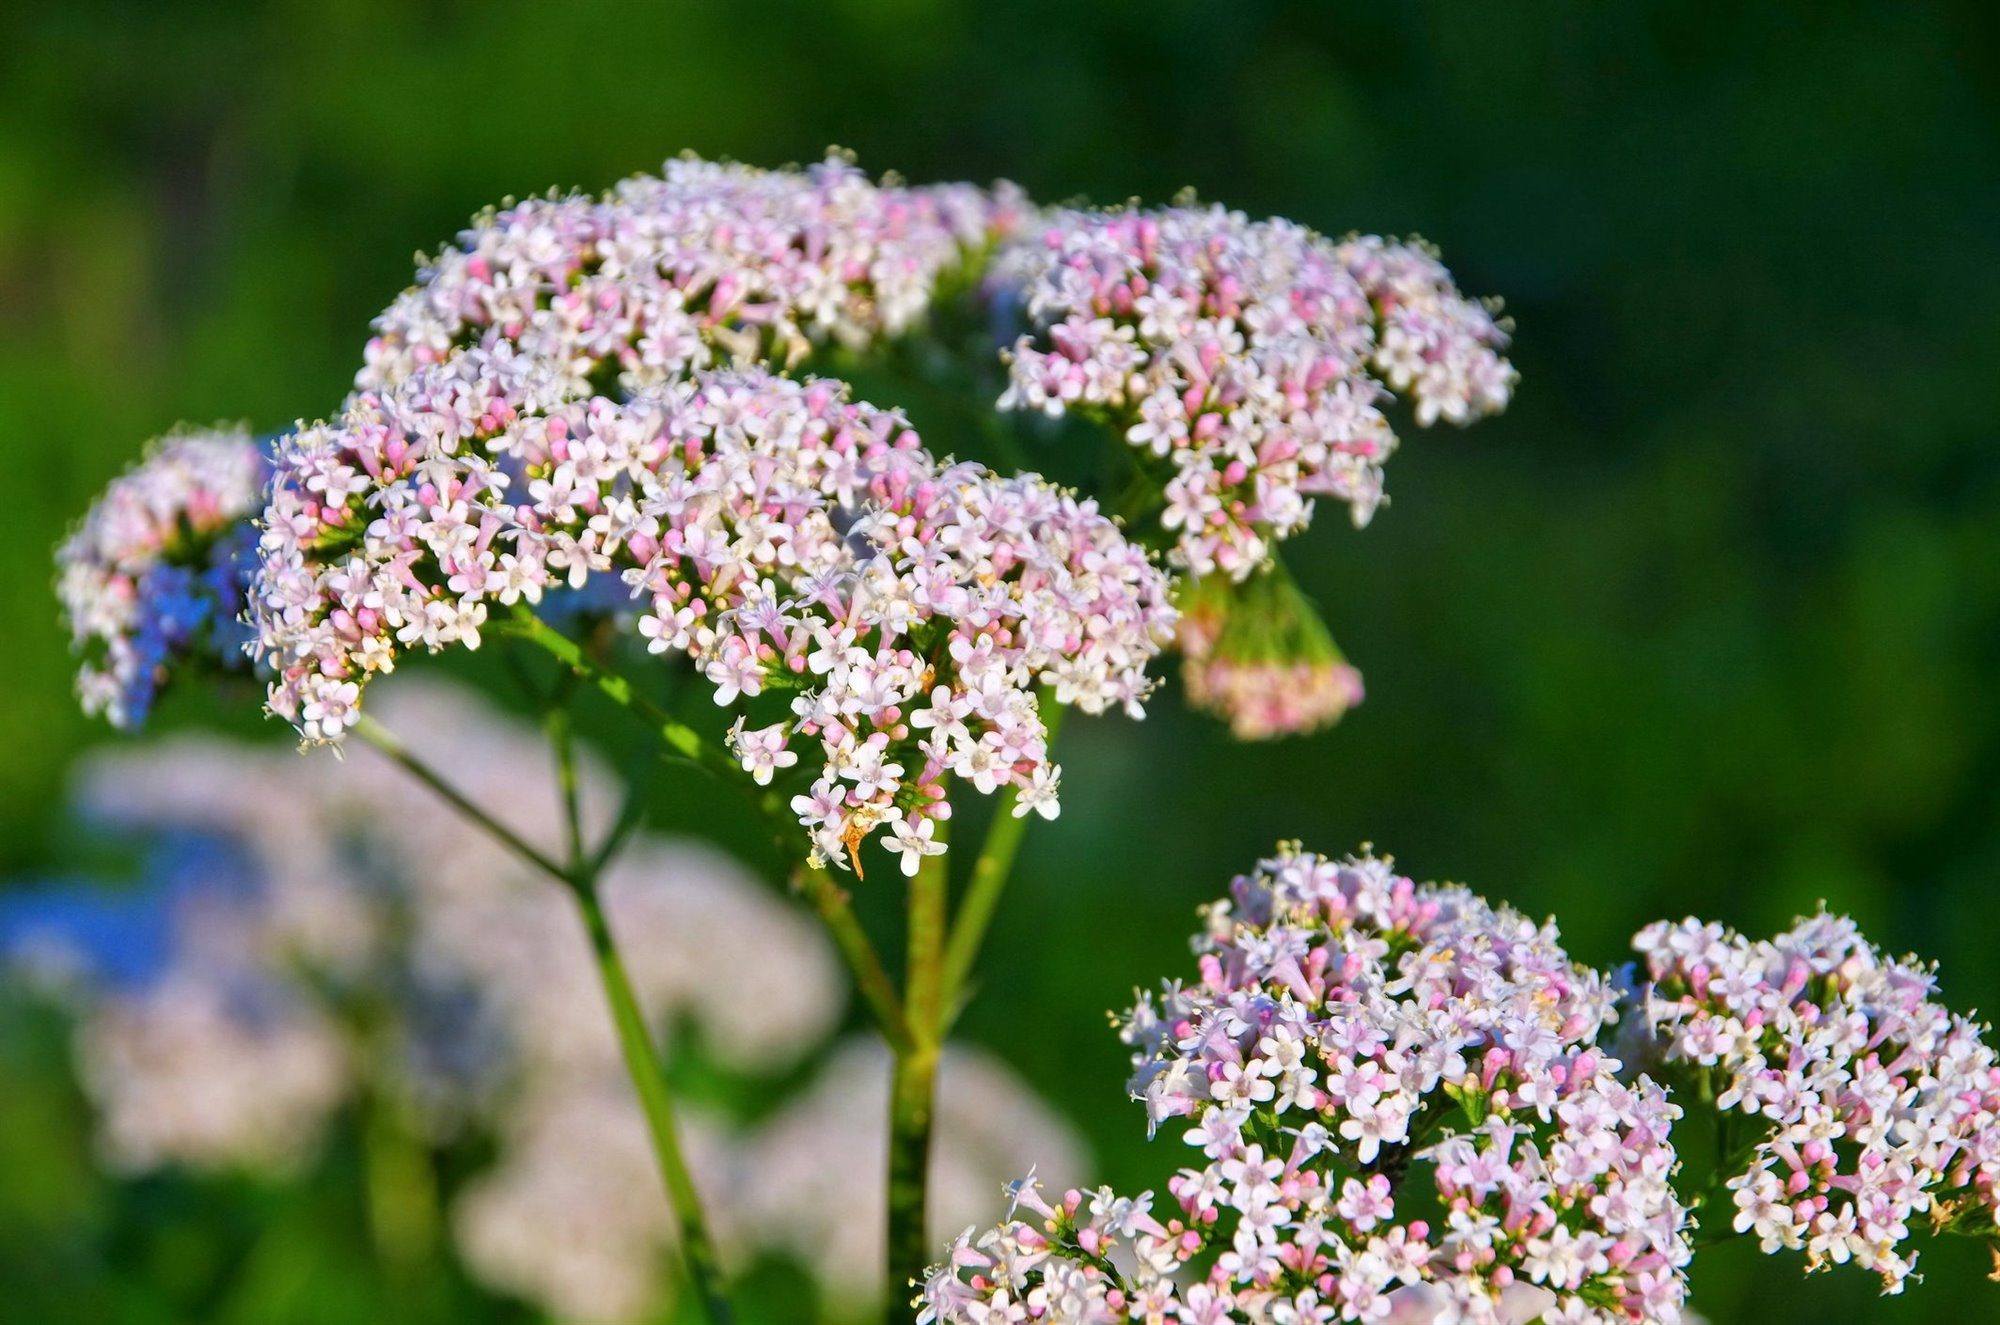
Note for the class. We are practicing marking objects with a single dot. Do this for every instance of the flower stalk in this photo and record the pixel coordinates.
(913, 1086)
(990, 873)
(829, 901)
(635, 1043)
(649, 1081)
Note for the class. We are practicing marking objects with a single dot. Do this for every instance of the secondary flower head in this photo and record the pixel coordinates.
(1875, 1105)
(1252, 358)
(1257, 654)
(789, 541)
(708, 264)
(1397, 1113)
(154, 577)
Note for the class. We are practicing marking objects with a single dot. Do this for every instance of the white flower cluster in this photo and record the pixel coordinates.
(212, 1071)
(154, 577)
(709, 264)
(1869, 1106)
(783, 537)
(368, 886)
(1251, 356)
(239, 1050)
(1400, 1115)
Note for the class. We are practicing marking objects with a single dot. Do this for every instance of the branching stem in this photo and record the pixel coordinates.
(635, 1041)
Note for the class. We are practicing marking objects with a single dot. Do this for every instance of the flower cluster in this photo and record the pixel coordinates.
(211, 1073)
(155, 575)
(222, 1046)
(1258, 655)
(708, 264)
(1251, 356)
(782, 536)
(1400, 1114)
(1868, 1104)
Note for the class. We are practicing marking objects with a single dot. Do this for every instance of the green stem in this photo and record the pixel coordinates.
(831, 904)
(914, 1081)
(635, 1043)
(679, 737)
(649, 1080)
(390, 745)
(912, 1087)
(989, 880)
(402, 1190)
(829, 901)
(557, 723)
(635, 1039)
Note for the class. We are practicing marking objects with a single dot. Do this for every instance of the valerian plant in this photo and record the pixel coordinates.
(595, 433)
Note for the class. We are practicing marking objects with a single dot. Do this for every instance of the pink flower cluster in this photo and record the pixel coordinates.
(709, 264)
(1251, 356)
(155, 575)
(783, 537)
(1399, 1114)
(1870, 1105)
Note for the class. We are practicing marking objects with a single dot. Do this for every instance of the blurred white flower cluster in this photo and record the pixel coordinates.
(326, 933)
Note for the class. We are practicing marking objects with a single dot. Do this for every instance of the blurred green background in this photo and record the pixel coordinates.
(1708, 622)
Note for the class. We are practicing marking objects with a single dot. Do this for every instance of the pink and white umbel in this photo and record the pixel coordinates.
(1864, 1106)
(1397, 1111)
(708, 265)
(1249, 362)
(784, 537)
(1251, 356)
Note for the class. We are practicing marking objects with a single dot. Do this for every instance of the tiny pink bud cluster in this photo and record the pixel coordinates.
(155, 575)
(1252, 357)
(1355, 1038)
(1257, 654)
(1872, 1104)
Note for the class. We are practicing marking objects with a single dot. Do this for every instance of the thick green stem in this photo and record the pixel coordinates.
(914, 1082)
(642, 1061)
(912, 1088)
(989, 880)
